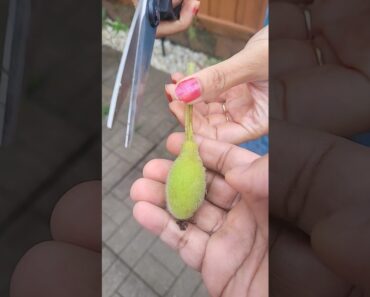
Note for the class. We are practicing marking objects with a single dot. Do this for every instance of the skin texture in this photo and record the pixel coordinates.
(233, 217)
(240, 83)
(318, 208)
(234, 214)
(70, 265)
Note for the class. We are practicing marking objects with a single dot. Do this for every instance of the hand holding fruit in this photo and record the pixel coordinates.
(233, 217)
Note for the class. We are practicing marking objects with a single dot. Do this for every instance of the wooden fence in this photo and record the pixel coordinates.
(232, 18)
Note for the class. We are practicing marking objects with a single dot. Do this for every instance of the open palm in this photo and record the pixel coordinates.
(227, 239)
(237, 115)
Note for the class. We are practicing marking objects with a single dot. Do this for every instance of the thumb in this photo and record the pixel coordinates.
(249, 65)
(252, 179)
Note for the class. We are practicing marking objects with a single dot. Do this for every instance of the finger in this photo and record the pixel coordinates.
(342, 244)
(218, 191)
(292, 56)
(208, 217)
(217, 156)
(301, 180)
(57, 269)
(255, 178)
(283, 27)
(290, 20)
(240, 235)
(215, 126)
(189, 10)
(76, 217)
(177, 76)
(251, 64)
(190, 244)
(293, 262)
(157, 169)
(308, 98)
(148, 190)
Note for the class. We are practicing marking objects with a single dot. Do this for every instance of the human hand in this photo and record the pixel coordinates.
(319, 180)
(231, 98)
(189, 10)
(227, 237)
(70, 264)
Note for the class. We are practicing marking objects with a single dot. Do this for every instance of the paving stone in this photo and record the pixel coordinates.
(167, 257)
(137, 247)
(139, 148)
(117, 140)
(186, 284)
(122, 190)
(108, 257)
(154, 274)
(115, 209)
(108, 227)
(109, 133)
(105, 153)
(116, 174)
(113, 277)
(109, 163)
(201, 291)
(158, 129)
(135, 287)
(124, 234)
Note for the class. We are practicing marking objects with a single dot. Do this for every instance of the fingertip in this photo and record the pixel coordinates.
(136, 189)
(176, 77)
(174, 142)
(150, 216)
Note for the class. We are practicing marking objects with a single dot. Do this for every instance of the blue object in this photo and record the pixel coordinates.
(259, 146)
(363, 139)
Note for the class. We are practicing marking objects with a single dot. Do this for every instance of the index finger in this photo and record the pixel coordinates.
(217, 156)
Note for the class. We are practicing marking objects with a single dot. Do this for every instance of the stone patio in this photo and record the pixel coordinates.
(136, 263)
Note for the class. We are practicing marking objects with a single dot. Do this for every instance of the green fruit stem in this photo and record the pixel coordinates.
(189, 109)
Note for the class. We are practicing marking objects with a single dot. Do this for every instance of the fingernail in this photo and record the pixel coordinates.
(188, 90)
(169, 98)
(195, 11)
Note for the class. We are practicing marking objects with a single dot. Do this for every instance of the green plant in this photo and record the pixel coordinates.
(192, 33)
(186, 181)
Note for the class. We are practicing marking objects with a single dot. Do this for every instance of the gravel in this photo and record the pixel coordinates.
(176, 59)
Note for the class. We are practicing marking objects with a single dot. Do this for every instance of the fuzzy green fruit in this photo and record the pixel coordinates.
(186, 183)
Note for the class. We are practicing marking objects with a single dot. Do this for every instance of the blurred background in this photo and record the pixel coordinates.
(136, 263)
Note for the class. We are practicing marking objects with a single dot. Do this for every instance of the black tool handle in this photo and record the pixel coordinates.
(168, 12)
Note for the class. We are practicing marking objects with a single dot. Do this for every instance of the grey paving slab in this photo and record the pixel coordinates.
(105, 152)
(139, 148)
(201, 291)
(155, 274)
(113, 277)
(135, 287)
(155, 269)
(109, 163)
(108, 227)
(115, 175)
(123, 235)
(122, 190)
(186, 284)
(137, 247)
(115, 209)
(108, 257)
(167, 257)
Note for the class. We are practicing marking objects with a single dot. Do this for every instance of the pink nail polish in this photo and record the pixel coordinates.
(188, 90)
(168, 97)
(195, 11)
